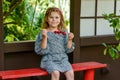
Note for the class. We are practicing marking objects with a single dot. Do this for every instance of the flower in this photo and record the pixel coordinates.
(60, 32)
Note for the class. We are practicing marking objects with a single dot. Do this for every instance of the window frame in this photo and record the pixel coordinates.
(97, 39)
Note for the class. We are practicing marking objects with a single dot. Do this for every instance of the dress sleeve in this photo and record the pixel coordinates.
(67, 50)
(71, 49)
(37, 48)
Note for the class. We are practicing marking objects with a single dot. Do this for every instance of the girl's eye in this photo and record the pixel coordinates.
(57, 17)
(54, 17)
(51, 17)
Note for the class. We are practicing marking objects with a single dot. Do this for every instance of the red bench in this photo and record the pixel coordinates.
(87, 67)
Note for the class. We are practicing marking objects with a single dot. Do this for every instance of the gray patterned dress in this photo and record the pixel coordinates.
(54, 57)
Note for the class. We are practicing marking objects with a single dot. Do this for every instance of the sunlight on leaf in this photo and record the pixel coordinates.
(104, 44)
(111, 52)
(105, 51)
(118, 47)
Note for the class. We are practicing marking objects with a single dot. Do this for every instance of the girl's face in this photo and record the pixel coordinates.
(54, 20)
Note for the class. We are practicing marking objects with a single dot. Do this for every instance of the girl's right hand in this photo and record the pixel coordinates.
(44, 33)
(70, 36)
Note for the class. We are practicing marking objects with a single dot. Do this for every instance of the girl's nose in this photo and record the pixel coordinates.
(53, 18)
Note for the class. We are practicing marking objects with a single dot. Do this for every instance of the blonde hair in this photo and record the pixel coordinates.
(45, 24)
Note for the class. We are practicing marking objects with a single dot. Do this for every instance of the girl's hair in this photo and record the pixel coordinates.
(45, 24)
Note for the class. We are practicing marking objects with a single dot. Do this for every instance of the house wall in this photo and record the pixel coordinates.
(18, 55)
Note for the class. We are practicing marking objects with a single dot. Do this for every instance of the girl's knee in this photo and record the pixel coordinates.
(69, 75)
(55, 75)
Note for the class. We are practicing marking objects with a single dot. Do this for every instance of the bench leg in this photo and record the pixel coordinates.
(89, 74)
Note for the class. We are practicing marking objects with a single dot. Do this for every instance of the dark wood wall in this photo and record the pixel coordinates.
(29, 59)
(95, 53)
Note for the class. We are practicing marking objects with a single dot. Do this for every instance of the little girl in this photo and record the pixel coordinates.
(53, 43)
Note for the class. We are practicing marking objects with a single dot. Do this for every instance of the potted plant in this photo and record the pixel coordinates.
(111, 49)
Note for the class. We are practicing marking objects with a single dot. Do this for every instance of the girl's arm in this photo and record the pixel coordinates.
(70, 37)
(70, 45)
(41, 46)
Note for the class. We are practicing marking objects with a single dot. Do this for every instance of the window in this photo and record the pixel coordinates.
(13, 44)
(92, 22)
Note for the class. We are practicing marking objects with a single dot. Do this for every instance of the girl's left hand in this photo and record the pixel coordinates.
(70, 36)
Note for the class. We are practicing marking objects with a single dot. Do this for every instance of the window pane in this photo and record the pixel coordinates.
(87, 8)
(103, 27)
(87, 27)
(105, 6)
(118, 7)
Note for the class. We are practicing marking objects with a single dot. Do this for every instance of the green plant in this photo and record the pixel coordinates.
(19, 20)
(22, 18)
(113, 50)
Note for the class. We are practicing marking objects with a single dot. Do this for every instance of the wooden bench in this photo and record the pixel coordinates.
(87, 67)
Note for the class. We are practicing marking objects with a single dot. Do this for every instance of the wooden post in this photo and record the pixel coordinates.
(75, 27)
(1, 39)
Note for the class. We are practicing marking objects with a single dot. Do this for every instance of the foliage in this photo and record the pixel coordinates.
(113, 50)
(22, 18)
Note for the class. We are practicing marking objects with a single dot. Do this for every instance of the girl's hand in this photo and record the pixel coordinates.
(70, 36)
(44, 33)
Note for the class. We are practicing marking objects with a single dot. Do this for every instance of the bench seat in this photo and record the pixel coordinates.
(87, 67)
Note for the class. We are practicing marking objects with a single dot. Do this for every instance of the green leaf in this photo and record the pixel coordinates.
(115, 50)
(111, 52)
(104, 44)
(118, 26)
(105, 51)
(118, 47)
(117, 56)
(117, 35)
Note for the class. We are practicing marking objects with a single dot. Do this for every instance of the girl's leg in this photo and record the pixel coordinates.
(69, 75)
(55, 75)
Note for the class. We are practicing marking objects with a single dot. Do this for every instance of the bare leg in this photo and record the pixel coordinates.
(55, 75)
(69, 75)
